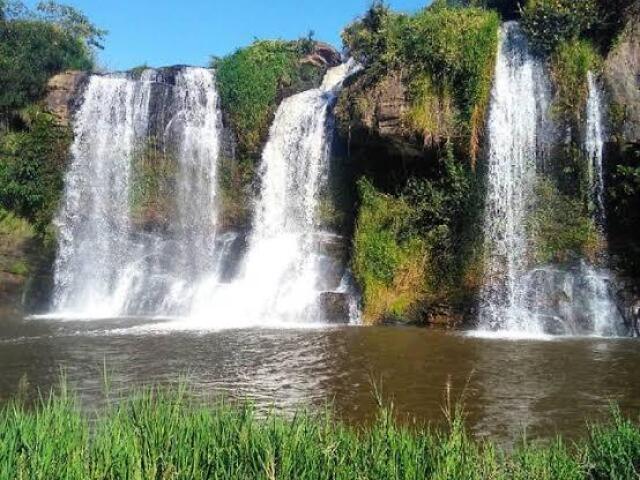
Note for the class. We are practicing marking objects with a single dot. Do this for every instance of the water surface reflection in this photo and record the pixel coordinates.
(543, 387)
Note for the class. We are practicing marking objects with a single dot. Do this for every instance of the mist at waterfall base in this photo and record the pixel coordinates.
(110, 266)
(519, 300)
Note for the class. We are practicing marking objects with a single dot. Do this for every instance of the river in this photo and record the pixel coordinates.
(541, 387)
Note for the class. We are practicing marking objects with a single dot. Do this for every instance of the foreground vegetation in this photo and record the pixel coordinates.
(161, 434)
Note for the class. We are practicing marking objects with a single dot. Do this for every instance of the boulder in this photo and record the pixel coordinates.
(335, 307)
(62, 94)
(323, 56)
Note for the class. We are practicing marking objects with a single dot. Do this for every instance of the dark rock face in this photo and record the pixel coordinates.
(335, 306)
(443, 316)
(64, 94)
(377, 113)
(622, 74)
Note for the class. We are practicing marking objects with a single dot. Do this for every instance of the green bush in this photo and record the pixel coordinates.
(550, 22)
(457, 48)
(409, 248)
(388, 261)
(14, 231)
(250, 80)
(31, 168)
(375, 40)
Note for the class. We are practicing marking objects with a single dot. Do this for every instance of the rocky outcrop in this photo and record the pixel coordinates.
(335, 306)
(62, 95)
(622, 74)
(323, 56)
(376, 114)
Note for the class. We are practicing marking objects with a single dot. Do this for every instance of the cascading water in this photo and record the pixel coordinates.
(282, 279)
(512, 128)
(94, 222)
(594, 147)
(107, 265)
(517, 300)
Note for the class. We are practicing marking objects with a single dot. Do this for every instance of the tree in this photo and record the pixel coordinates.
(35, 45)
(72, 21)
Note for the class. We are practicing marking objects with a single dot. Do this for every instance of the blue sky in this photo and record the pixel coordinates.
(163, 32)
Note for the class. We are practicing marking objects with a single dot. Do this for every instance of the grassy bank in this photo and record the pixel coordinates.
(167, 435)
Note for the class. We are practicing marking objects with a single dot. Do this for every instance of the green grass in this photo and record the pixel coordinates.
(167, 434)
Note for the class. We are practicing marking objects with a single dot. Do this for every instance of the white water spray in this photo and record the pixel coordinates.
(516, 300)
(594, 147)
(281, 278)
(513, 138)
(106, 265)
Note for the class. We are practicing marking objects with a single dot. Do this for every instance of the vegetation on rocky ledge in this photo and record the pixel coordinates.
(445, 59)
(251, 82)
(431, 73)
(254, 79)
(32, 161)
(420, 105)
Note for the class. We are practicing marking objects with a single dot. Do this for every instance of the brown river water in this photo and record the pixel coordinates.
(512, 387)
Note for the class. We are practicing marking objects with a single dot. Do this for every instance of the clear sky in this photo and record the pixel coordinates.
(164, 32)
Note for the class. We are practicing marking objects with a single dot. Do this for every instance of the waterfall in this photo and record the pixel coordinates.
(511, 172)
(282, 279)
(94, 222)
(517, 299)
(107, 265)
(594, 147)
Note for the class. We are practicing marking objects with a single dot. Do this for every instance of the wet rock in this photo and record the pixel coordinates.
(443, 316)
(63, 94)
(333, 251)
(554, 326)
(232, 246)
(335, 307)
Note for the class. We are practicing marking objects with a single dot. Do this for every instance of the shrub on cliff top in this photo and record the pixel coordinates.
(550, 22)
(445, 48)
(249, 81)
(571, 63)
(456, 47)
